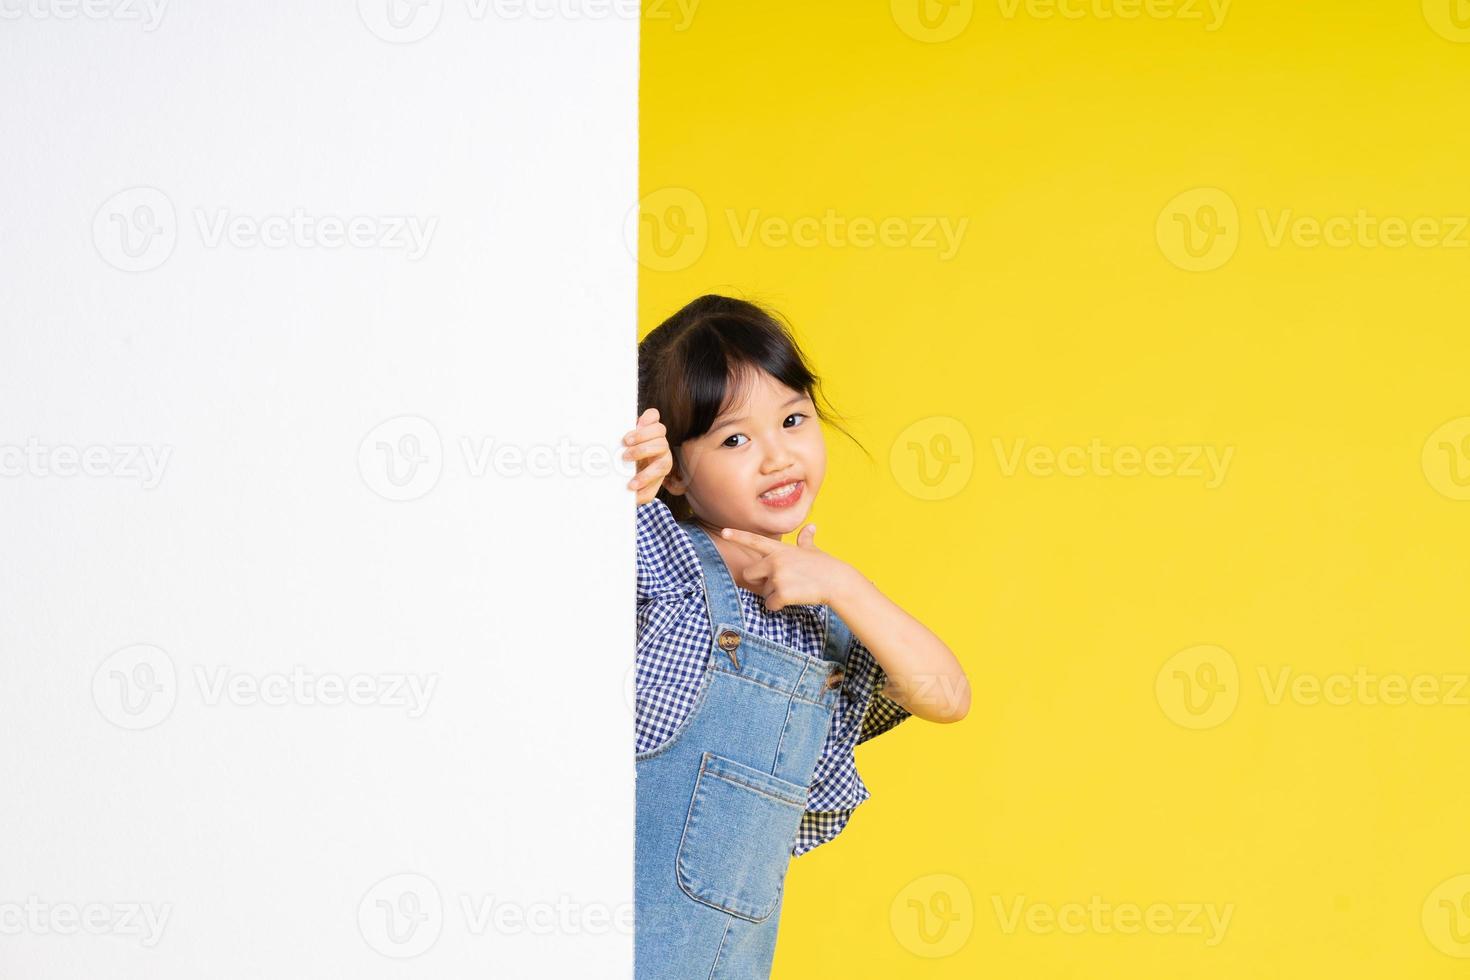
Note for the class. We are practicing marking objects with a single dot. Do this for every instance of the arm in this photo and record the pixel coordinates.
(923, 674)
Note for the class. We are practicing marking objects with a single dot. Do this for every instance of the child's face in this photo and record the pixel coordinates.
(771, 437)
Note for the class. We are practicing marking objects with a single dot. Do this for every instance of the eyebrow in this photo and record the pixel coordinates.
(721, 422)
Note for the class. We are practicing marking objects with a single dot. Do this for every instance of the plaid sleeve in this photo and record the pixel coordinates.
(656, 548)
(865, 681)
(862, 712)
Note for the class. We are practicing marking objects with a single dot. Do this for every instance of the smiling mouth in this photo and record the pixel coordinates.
(784, 495)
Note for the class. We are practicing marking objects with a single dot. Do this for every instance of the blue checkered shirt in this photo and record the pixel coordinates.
(673, 647)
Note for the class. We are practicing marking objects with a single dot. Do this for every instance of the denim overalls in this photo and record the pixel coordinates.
(720, 801)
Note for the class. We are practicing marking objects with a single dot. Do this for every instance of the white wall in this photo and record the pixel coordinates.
(285, 488)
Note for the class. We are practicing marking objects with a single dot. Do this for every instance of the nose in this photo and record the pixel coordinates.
(777, 460)
(778, 456)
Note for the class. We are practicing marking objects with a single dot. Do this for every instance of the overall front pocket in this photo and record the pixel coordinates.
(738, 836)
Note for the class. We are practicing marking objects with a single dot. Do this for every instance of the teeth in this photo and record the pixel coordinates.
(785, 491)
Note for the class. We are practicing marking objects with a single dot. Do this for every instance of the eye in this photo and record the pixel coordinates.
(735, 436)
(795, 415)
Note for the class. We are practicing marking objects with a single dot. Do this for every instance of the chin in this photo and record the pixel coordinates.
(787, 522)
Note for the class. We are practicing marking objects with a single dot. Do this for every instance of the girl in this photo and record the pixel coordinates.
(760, 664)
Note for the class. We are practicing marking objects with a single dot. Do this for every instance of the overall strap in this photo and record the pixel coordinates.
(722, 602)
(839, 638)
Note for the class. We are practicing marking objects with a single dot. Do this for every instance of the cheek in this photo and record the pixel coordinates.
(712, 471)
(815, 454)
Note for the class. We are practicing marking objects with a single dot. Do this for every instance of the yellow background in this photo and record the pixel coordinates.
(1336, 540)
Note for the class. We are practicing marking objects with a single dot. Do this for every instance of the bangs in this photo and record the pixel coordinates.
(702, 360)
(717, 361)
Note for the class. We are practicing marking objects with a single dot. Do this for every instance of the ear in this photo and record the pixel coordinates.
(674, 481)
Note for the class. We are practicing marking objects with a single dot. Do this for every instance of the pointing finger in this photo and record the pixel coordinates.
(756, 571)
(755, 542)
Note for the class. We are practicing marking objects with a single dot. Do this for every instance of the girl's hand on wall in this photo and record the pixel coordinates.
(648, 443)
(799, 574)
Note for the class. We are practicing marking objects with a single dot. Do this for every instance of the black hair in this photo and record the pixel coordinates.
(688, 364)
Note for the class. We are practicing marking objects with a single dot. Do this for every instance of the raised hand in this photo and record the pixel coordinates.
(799, 574)
(648, 443)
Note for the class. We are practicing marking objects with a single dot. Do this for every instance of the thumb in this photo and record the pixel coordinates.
(807, 537)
